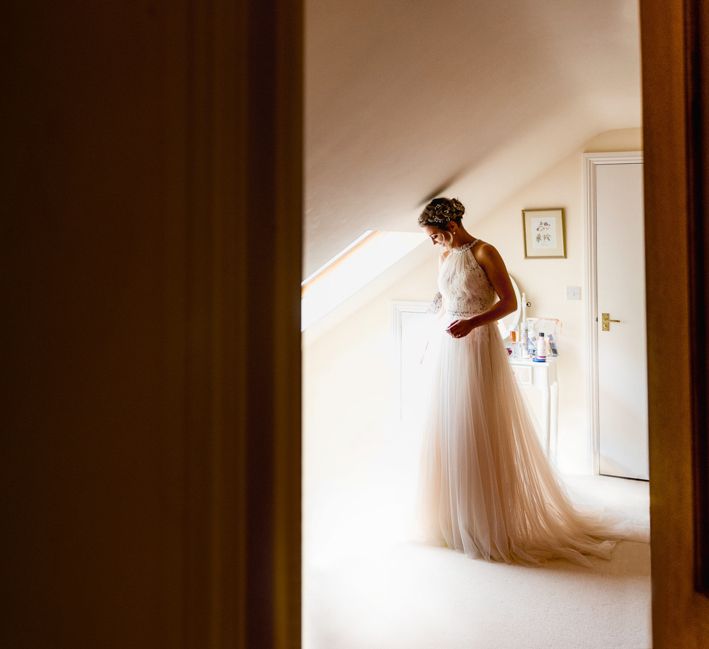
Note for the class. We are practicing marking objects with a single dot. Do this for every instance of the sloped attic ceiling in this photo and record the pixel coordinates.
(408, 99)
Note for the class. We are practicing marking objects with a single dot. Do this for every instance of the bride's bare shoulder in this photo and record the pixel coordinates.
(485, 253)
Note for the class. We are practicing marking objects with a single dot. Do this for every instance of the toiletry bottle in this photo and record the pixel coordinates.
(524, 340)
(552, 344)
(541, 348)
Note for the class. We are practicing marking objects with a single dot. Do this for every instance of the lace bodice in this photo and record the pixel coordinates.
(464, 286)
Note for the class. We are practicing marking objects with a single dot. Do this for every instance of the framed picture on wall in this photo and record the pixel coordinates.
(544, 232)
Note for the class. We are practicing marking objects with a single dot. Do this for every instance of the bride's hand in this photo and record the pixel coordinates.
(461, 328)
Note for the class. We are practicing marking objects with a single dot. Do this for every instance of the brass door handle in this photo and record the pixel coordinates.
(606, 321)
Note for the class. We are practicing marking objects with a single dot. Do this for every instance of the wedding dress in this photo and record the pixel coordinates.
(486, 487)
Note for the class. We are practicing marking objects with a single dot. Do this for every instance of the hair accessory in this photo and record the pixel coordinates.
(441, 211)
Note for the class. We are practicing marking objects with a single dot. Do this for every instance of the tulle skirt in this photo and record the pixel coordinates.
(486, 487)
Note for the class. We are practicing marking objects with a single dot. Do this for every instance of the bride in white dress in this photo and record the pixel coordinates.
(486, 487)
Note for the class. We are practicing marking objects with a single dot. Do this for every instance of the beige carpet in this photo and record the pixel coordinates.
(406, 596)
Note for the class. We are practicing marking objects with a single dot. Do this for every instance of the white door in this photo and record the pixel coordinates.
(412, 331)
(621, 346)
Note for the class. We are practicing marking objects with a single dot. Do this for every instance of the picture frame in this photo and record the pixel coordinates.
(544, 233)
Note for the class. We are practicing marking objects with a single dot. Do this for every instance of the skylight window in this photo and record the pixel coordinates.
(352, 269)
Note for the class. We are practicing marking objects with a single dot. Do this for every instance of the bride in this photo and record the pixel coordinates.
(486, 487)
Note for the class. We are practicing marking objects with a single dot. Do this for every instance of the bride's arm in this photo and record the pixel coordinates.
(496, 271)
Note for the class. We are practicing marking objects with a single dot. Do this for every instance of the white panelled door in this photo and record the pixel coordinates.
(621, 389)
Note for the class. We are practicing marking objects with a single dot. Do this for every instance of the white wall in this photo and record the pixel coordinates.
(356, 475)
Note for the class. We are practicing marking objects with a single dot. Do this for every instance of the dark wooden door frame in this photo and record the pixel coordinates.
(151, 245)
(697, 62)
(675, 120)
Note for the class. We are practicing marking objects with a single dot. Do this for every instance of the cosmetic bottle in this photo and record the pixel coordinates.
(540, 353)
(552, 346)
(523, 340)
(530, 347)
(514, 344)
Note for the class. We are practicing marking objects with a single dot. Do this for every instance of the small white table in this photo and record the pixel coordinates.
(542, 377)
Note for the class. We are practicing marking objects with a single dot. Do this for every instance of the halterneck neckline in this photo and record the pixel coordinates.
(464, 247)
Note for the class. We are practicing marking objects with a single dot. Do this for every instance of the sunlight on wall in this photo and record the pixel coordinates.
(362, 261)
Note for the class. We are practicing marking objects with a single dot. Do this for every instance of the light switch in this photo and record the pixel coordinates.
(573, 292)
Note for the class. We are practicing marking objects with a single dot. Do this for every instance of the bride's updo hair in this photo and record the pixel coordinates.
(441, 211)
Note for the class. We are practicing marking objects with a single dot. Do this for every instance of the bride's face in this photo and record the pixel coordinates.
(436, 235)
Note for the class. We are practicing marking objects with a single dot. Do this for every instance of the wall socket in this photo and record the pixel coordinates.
(573, 292)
